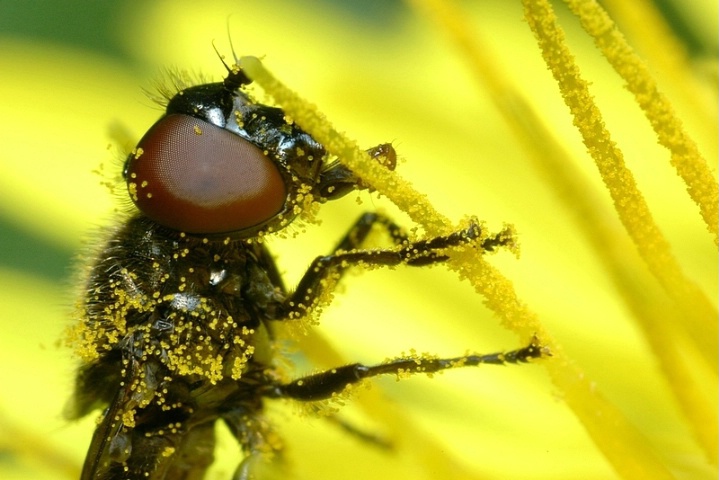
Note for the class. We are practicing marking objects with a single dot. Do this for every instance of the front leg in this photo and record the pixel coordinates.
(337, 180)
(327, 270)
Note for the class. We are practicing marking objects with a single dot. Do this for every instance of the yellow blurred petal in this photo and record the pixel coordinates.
(53, 98)
(36, 376)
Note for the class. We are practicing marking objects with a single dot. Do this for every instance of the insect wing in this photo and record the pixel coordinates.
(128, 443)
(109, 443)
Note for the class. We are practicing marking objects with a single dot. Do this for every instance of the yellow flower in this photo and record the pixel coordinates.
(622, 296)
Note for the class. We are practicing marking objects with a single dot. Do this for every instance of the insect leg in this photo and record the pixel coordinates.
(337, 180)
(325, 384)
(363, 435)
(362, 227)
(262, 446)
(346, 254)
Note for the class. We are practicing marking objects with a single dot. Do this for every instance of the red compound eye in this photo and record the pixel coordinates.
(198, 178)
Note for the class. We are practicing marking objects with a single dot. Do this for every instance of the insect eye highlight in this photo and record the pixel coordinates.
(195, 177)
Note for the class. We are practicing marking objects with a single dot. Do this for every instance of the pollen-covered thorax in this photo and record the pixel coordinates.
(181, 303)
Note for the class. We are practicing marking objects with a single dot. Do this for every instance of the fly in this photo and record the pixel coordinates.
(177, 323)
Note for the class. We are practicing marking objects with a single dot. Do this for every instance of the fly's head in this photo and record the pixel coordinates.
(218, 164)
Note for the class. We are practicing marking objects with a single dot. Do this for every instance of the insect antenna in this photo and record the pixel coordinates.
(235, 77)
